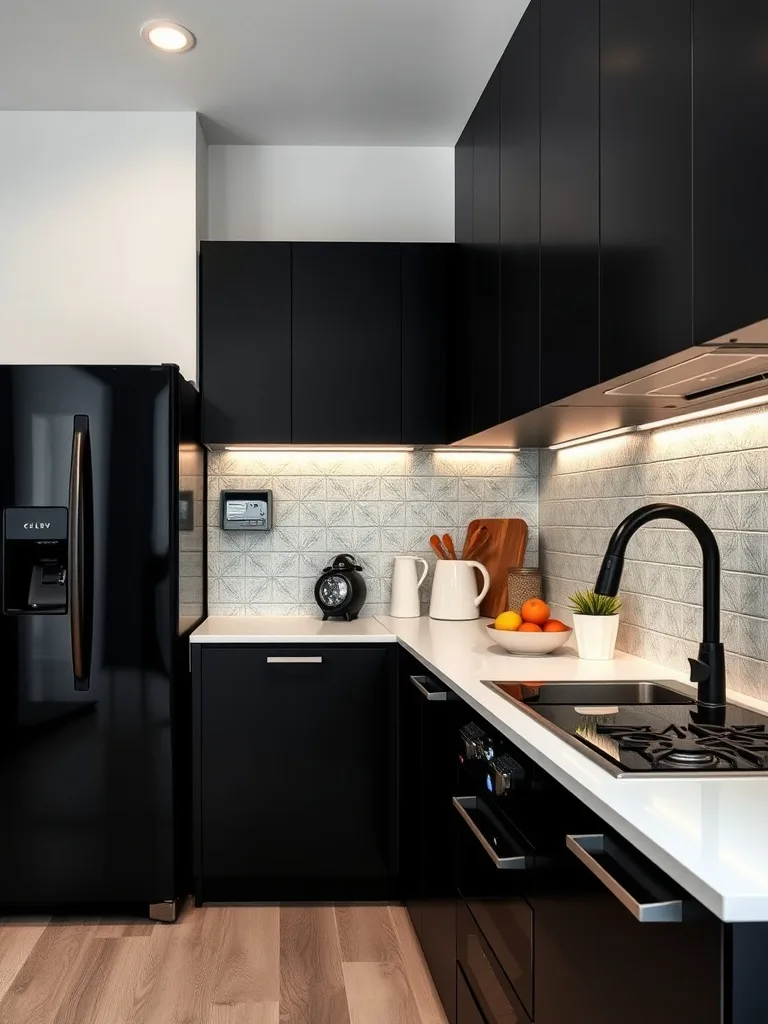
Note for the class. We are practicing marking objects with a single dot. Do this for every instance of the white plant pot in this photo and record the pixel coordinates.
(596, 636)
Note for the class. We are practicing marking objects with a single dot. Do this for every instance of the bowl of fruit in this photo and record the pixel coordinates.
(529, 632)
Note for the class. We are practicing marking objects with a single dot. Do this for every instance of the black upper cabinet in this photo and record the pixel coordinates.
(346, 343)
(570, 197)
(459, 411)
(427, 325)
(730, 100)
(325, 343)
(645, 181)
(484, 334)
(245, 341)
(519, 241)
(464, 163)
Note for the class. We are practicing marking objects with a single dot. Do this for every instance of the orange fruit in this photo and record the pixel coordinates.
(529, 627)
(535, 610)
(554, 626)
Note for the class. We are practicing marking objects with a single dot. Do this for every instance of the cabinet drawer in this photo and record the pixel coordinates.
(487, 980)
(494, 888)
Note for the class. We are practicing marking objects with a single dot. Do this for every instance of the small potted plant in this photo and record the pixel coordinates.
(596, 624)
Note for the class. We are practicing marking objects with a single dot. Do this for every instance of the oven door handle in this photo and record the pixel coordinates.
(469, 803)
(663, 908)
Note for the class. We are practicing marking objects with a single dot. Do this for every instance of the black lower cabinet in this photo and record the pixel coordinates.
(597, 962)
(562, 921)
(467, 1011)
(296, 773)
(485, 976)
(429, 720)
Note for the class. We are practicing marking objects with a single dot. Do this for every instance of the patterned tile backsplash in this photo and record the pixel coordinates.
(373, 505)
(718, 468)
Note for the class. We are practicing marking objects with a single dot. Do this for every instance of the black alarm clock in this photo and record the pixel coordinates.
(340, 592)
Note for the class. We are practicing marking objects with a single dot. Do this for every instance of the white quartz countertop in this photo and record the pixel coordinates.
(249, 629)
(710, 835)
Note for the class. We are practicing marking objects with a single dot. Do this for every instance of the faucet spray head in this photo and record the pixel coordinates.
(609, 577)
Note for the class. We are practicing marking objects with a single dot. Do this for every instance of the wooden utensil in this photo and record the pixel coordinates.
(448, 545)
(475, 541)
(482, 536)
(469, 540)
(503, 549)
(437, 547)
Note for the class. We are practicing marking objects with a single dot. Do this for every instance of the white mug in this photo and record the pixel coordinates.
(454, 590)
(404, 603)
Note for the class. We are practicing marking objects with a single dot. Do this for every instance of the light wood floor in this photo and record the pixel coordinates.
(219, 965)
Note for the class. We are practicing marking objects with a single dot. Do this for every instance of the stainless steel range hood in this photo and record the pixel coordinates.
(726, 370)
(711, 374)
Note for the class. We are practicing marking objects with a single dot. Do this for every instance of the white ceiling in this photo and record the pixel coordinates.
(284, 72)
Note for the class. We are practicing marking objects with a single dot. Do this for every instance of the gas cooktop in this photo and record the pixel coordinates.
(659, 739)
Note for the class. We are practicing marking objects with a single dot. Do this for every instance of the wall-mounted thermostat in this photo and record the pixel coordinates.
(246, 510)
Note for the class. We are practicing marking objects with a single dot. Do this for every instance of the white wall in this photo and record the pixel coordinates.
(98, 237)
(331, 193)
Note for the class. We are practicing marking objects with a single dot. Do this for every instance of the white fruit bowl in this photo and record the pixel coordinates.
(528, 644)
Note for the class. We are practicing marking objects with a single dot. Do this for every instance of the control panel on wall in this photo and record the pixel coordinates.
(246, 510)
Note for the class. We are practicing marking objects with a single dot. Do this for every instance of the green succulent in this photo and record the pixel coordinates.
(587, 602)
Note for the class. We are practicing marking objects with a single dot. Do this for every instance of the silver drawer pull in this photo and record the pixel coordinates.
(469, 803)
(295, 661)
(665, 909)
(418, 682)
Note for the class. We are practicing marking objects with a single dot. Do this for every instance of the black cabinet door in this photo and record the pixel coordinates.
(464, 191)
(519, 240)
(467, 1011)
(346, 344)
(570, 197)
(484, 337)
(245, 341)
(460, 365)
(645, 182)
(430, 716)
(730, 166)
(427, 324)
(297, 773)
(597, 964)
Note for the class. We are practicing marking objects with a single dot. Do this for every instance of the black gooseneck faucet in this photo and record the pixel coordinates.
(708, 670)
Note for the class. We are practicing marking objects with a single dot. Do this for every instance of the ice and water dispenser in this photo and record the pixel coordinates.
(35, 561)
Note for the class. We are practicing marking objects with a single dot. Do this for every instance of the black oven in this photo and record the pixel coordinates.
(510, 820)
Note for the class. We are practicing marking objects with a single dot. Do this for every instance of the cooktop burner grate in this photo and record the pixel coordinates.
(694, 747)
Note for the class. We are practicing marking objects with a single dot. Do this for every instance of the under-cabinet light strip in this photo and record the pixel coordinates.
(316, 449)
(461, 450)
(589, 438)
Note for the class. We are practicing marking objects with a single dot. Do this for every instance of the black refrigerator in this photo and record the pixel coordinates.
(102, 487)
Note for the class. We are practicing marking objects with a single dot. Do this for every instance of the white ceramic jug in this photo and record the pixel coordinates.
(454, 590)
(404, 603)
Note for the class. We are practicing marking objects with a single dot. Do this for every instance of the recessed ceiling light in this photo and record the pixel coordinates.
(168, 36)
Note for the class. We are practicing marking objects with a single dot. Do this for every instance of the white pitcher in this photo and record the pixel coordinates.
(404, 603)
(454, 590)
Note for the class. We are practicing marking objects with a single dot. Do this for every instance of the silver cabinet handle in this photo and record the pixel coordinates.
(418, 682)
(469, 803)
(664, 909)
(295, 661)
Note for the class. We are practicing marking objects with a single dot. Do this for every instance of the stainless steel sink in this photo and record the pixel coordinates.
(585, 694)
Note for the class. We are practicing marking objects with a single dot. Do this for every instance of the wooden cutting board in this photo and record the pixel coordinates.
(504, 550)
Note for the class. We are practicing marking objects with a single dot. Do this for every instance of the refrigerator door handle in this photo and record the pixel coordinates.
(80, 553)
